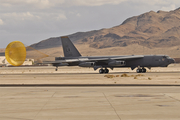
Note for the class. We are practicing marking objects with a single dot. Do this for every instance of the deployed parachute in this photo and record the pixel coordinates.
(15, 53)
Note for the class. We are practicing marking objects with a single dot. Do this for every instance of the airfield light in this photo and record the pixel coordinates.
(15, 53)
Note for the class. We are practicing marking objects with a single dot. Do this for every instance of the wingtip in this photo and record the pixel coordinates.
(64, 36)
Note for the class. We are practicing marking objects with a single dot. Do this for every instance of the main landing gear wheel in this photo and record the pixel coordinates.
(106, 71)
(143, 70)
(101, 71)
(139, 70)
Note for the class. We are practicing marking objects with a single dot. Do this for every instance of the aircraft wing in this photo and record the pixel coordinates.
(53, 62)
(59, 62)
(116, 58)
(64, 62)
(73, 60)
(128, 57)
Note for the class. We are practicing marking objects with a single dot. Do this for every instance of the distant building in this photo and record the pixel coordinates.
(4, 62)
(28, 62)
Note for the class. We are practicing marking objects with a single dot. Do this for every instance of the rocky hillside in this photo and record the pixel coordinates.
(152, 29)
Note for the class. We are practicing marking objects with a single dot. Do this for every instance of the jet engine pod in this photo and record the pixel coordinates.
(87, 64)
(117, 63)
(15, 53)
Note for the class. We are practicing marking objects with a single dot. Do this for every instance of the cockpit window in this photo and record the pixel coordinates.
(168, 57)
(164, 57)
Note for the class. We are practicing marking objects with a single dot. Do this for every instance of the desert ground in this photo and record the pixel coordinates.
(78, 75)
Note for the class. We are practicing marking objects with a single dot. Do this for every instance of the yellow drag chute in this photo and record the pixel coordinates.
(15, 53)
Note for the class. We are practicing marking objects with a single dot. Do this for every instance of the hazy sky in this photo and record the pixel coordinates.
(31, 21)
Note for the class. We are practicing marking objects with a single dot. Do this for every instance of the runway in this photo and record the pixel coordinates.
(40, 93)
(76, 76)
(87, 85)
(87, 103)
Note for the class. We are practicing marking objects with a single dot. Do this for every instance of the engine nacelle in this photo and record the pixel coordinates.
(87, 64)
(117, 63)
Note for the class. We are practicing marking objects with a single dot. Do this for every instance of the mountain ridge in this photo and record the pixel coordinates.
(151, 29)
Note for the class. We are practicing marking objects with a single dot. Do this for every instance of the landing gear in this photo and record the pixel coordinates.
(101, 71)
(106, 71)
(56, 68)
(141, 70)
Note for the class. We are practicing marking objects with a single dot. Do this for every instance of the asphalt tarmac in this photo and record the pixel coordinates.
(85, 76)
(40, 93)
(89, 103)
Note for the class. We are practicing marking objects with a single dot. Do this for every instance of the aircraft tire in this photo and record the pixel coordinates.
(106, 71)
(143, 70)
(101, 71)
(139, 70)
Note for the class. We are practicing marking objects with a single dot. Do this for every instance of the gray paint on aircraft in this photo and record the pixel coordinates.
(72, 57)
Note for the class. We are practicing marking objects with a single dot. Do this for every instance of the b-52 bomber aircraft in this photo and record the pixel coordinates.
(72, 57)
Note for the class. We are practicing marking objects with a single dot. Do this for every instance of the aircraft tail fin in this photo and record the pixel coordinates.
(69, 48)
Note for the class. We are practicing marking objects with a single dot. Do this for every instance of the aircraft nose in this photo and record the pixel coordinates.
(174, 61)
(171, 60)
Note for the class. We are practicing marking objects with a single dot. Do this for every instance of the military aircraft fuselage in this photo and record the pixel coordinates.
(146, 61)
(72, 57)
